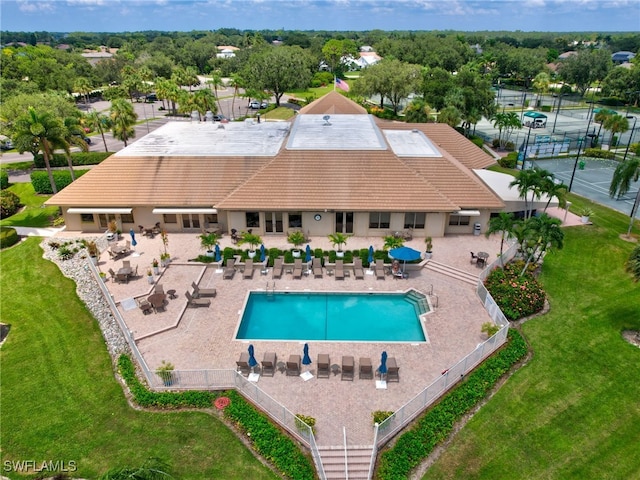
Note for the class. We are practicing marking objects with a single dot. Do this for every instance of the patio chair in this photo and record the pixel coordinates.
(297, 268)
(339, 271)
(122, 278)
(358, 271)
(202, 292)
(126, 264)
(293, 366)
(392, 370)
(474, 257)
(347, 368)
(145, 306)
(380, 273)
(248, 269)
(269, 364)
(113, 274)
(365, 370)
(158, 288)
(278, 265)
(127, 245)
(323, 365)
(317, 267)
(230, 269)
(243, 364)
(196, 302)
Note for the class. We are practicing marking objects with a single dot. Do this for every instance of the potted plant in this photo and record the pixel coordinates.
(428, 242)
(338, 240)
(94, 252)
(149, 276)
(252, 240)
(103, 276)
(112, 228)
(585, 213)
(297, 239)
(165, 372)
(155, 265)
(165, 258)
(489, 328)
(208, 241)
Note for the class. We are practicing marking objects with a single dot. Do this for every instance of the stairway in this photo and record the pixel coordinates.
(358, 460)
(452, 272)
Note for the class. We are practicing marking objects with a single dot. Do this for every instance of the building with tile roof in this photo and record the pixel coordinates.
(332, 168)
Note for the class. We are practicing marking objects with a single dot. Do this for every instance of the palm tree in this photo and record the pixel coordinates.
(123, 119)
(203, 101)
(39, 131)
(600, 118)
(632, 264)
(504, 223)
(552, 189)
(100, 122)
(215, 82)
(237, 82)
(508, 122)
(615, 124)
(449, 115)
(83, 87)
(73, 135)
(541, 84)
(624, 173)
(528, 181)
(542, 233)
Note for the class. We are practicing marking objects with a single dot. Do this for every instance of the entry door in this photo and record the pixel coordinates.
(191, 221)
(344, 222)
(273, 222)
(105, 219)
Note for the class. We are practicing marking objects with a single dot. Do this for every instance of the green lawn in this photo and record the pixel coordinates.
(572, 412)
(61, 402)
(35, 214)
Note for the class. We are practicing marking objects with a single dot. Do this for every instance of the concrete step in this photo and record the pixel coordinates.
(453, 272)
(358, 461)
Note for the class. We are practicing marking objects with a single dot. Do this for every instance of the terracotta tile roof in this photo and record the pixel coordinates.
(333, 103)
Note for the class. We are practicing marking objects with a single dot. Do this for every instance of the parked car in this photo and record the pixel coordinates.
(219, 118)
(255, 105)
(6, 143)
(86, 139)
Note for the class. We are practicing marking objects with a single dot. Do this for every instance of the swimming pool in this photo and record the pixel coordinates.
(333, 316)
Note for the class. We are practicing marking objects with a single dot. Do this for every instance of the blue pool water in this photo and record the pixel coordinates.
(332, 316)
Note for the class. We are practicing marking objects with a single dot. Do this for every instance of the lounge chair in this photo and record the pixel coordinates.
(278, 265)
(317, 267)
(365, 370)
(248, 269)
(293, 365)
(297, 268)
(230, 269)
(243, 364)
(380, 269)
(392, 370)
(323, 365)
(269, 364)
(358, 271)
(347, 368)
(196, 302)
(202, 292)
(339, 271)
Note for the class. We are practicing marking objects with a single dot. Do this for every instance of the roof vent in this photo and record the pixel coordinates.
(415, 130)
(326, 119)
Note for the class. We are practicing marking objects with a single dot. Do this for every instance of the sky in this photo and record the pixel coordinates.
(359, 15)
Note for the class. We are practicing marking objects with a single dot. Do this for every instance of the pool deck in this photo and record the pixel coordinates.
(203, 338)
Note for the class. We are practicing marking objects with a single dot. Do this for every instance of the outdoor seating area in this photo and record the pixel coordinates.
(150, 232)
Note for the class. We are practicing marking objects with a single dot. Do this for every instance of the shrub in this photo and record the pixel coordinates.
(478, 141)
(8, 237)
(545, 108)
(65, 252)
(380, 416)
(4, 179)
(9, 203)
(62, 178)
(303, 421)
(517, 296)
(635, 148)
(597, 153)
(77, 159)
(509, 161)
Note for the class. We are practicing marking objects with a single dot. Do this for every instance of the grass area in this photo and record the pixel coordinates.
(28, 165)
(280, 113)
(60, 400)
(35, 214)
(572, 411)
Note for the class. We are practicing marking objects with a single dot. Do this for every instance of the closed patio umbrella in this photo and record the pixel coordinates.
(133, 238)
(370, 259)
(383, 365)
(263, 254)
(252, 359)
(307, 258)
(306, 359)
(217, 253)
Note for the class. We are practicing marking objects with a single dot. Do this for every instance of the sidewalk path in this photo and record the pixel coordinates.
(37, 232)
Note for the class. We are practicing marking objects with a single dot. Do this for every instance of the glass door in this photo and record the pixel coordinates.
(273, 222)
(344, 222)
(191, 221)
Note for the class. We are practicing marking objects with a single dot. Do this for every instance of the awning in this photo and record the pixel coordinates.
(99, 210)
(467, 213)
(184, 210)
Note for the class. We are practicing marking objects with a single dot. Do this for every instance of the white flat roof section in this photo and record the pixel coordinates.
(335, 132)
(411, 143)
(211, 139)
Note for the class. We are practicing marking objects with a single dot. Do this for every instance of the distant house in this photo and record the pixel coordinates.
(565, 55)
(94, 56)
(226, 51)
(622, 57)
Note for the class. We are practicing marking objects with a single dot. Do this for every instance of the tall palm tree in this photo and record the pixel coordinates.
(600, 118)
(82, 85)
(215, 82)
(99, 122)
(544, 233)
(203, 101)
(73, 135)
(123, 119)
(615, 124)
(541, 84)
(508, 122)
(503, 223)
(237, 82)
(39, 131)
(528, 181)
(624, 173)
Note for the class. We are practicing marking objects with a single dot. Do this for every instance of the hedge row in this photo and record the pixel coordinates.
(8, 237)
(62, 178)
(434, 426)
(4, 179)
(78, 159)
(598, 153)
(267, 439)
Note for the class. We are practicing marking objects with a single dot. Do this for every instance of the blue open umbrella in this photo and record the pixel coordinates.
(307, 258)
(405, 254)
(133, 238)
(370, 254)
(252, 360)
(217, 255)
(263, 254)
(383, 365)
(306, 359)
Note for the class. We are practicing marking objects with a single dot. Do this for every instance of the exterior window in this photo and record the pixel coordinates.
(86, 217)
(379, 219)
(169, 218)
(210, 218)
(459, 220)
(126, 218)
(415, 220)
(252, 219)
(295, 220)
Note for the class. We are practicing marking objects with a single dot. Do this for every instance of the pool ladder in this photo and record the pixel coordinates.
(271, 289)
